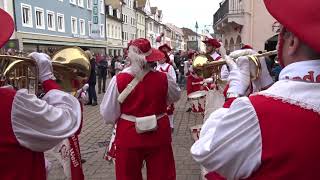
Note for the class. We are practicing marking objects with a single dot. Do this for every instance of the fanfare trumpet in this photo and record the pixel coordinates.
(205, 67)
(71, 68)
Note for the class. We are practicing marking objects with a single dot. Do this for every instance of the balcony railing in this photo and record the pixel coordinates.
(228, 7)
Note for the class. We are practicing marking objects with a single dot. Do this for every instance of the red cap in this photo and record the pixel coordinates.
(213, 42)
(7, 27)
(300, 18)
(164, 46)
(246, 47)
(144, 46)
(190, 54)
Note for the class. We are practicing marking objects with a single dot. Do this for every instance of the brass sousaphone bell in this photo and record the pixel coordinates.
(71, 67)
(205, 67)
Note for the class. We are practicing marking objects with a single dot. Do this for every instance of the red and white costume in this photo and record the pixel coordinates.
(149, 97)
(194, 84)
(30, 126)
(269, 135)
(168, 69)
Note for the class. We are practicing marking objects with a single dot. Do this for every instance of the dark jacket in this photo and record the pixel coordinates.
(93, 75)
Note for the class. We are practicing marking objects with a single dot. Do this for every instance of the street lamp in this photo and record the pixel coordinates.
(197, 34)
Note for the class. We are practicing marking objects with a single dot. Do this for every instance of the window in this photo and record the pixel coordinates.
(89, 27)
(82, 27)
(125, 36)
(51, 21)
(108, 31)
(112, 31)
(26, 15)
(89, 4)
(73, 2)
(39, 13)
(60, 20)
(80, 3)
(110, 10)
(102, 6)
(74, 25)
(125, 19)
(102, 30)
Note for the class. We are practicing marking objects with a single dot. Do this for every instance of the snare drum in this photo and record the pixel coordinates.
(197, 100)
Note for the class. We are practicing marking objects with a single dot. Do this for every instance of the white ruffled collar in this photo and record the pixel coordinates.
(297, 91)
(303, 70)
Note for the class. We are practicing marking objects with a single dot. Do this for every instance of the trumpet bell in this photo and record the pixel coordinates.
(71, 67)
(201, 68)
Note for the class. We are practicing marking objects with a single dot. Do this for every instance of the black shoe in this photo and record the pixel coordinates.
(189, 110)
(83, 161)
(99, 92)
(104, 91)
(89, 103)
(94, 103)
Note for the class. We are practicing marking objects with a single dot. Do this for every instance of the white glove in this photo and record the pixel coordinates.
(208, 80)
(264, 80)
(82, 95)
(44, 65)
(239, 76)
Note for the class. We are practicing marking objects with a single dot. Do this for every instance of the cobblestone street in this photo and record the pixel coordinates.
(95, 133)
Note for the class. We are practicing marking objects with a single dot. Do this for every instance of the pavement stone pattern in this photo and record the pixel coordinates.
(95, 132)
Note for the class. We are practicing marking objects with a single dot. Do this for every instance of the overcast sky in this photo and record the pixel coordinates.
(185, 13)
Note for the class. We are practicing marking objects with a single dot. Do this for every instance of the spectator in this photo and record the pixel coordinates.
(92, 81)
(102, 74)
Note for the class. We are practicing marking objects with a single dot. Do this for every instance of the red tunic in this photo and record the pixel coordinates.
(290, 140)
(149, 97)
(17, 162)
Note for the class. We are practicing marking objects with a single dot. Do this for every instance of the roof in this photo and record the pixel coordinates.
(154, 10)
(188, 32)
(141, 3)
(114, 3)
(174, 28)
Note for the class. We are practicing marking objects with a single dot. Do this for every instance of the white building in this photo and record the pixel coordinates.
(114, 30)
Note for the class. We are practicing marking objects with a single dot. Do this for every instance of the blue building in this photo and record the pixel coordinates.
(50, 24)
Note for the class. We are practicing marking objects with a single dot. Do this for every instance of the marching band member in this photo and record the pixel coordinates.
(166, 49)
(272, 134)
(29, 125)
(212, 46)
(136, 100)
(164, 67)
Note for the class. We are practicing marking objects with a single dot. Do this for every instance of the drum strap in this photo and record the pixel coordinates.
(130, 87)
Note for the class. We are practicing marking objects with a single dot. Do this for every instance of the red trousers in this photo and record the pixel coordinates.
(159, 162)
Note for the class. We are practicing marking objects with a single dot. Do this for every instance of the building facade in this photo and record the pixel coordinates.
(177, 38)
(49, 25)
(129, 22)
(141, 23)
(239, 22)
(114, 30)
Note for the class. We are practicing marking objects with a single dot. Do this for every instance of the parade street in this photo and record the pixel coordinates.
(95, 133)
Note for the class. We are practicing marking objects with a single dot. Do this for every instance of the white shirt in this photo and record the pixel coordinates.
(40, 124)
(224, 74)
(171, 71)
(110, 107)
(230, 139)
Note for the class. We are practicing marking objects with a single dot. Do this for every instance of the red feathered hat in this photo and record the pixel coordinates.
(144, 46)
(7, 27)
(246, 47)
(212, 42)
(300, 18)
(164, 46)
